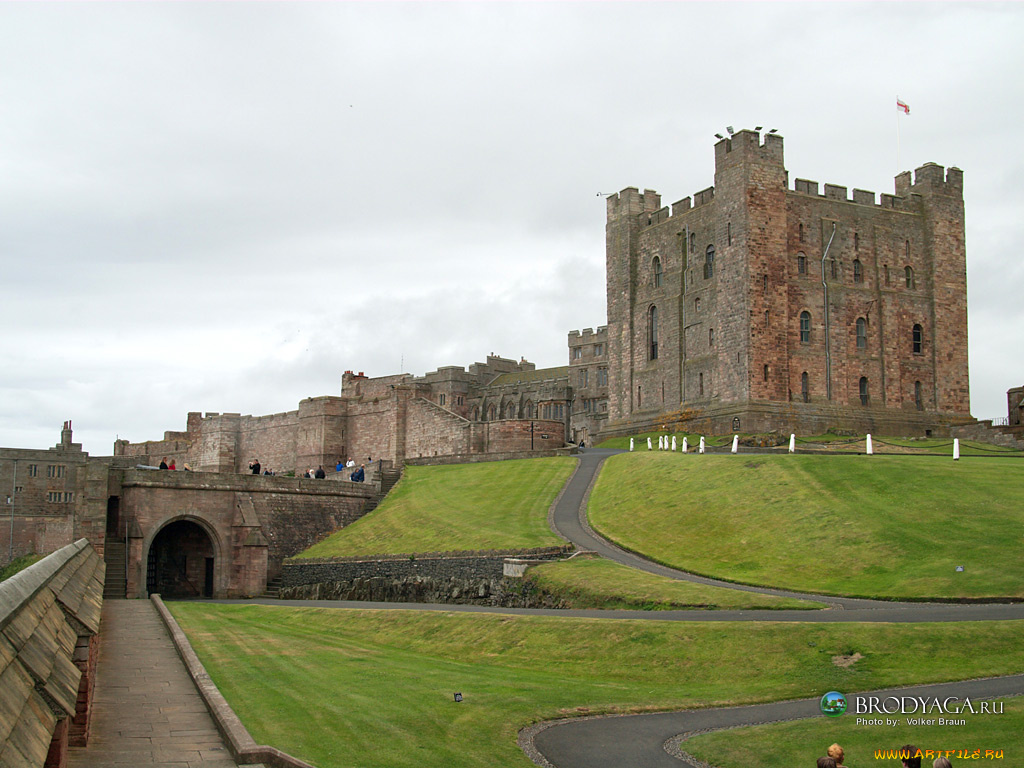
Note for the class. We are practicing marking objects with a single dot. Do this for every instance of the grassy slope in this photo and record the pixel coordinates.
(600, 583)
(492, 505)
(18, 564)
(374, 689)
(863, 525)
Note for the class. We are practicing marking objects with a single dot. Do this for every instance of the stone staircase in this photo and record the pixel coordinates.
(115, 583)
(388, 478)
(273, 588)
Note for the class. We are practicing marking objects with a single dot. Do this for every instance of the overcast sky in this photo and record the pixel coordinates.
(223, 206)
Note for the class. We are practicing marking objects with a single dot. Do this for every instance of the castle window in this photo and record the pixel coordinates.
(598, 350)
(862, 333)
(835, 271)
(459, 400)
(530, 410)
(909, 274)
(510, 411)
(709, 262)
(700, 384)
(475, 414)
(33, 470)
(766, 319)
(583, 378)
(805, 327)
(656, 270)
(55, 470)
(918, 340)
(693, 243)
(856, 241)
(728, 233)
(886, 268)
(652, 332)
(805, 387)
(492, 412)
(801, 263)
(858, 271)
(865, 398)
(577, 353)
(441, 400)
(764, 283)
(711, 337)
(766, 373)
(639, 399)
(696, 306)
(602, 377)
(918, 401)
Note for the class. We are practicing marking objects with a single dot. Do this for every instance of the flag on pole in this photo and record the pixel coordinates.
(902, 106)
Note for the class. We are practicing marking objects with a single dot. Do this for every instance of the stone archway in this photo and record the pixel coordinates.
(181, 561)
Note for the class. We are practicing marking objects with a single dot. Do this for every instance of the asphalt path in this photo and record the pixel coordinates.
(639, 741)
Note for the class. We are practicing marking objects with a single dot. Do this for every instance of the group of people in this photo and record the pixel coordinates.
(357, 474)
(911, 758)
(166, 463)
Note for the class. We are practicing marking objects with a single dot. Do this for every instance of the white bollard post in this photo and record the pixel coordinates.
(956, 449)
(648, 443)
(661, 443)
(701, 449)
(735, 443)
(685, 446)
(673, 442)
(631, 444)
(792, 443)
(870, 451)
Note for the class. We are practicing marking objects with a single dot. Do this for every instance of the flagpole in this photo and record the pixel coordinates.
(897, 137)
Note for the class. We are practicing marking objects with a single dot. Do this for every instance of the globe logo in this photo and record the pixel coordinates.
(833, 704)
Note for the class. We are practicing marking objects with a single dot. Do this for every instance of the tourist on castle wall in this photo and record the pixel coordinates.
(339, 466)
(171, 466)
(254, 466)
(350, 463)
(320, 474)
(163, 463)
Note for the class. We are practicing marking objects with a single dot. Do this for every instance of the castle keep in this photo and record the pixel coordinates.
(755, 306)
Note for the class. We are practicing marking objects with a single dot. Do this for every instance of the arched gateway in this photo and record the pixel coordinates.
(181, 561)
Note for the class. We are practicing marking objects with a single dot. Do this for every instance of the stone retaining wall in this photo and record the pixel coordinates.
(450, 578)
(49, 620)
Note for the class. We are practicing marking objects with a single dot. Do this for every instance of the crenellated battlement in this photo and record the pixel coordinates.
(587, 334)
(930, 178)
(630, 202)
(746, 147)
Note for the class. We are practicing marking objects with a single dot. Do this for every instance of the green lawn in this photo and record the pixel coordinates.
(801, 742)
(374, 689)
(594, 582)
(876, 526)
(491, 505)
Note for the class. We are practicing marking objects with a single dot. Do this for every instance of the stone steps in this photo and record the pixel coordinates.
(115, 582)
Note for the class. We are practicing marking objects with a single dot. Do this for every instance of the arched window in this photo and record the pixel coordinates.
(864, 397)
(475, 414)
(858, 271)
(510, 411)
(909, 274)
(709, 262)
(652, 332)
(801, 263)
(492, 412)
(530, 410)
(805, 327)
(918, 339)
(805, 387)
(696, 306)
(766, 373)
(656, 272)
(711, 337)
(862, 333)
(918, 402)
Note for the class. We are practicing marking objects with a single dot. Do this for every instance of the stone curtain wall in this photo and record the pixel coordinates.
(430, 578)
(49, 620)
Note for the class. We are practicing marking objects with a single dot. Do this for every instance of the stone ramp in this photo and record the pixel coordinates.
(146, 709)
